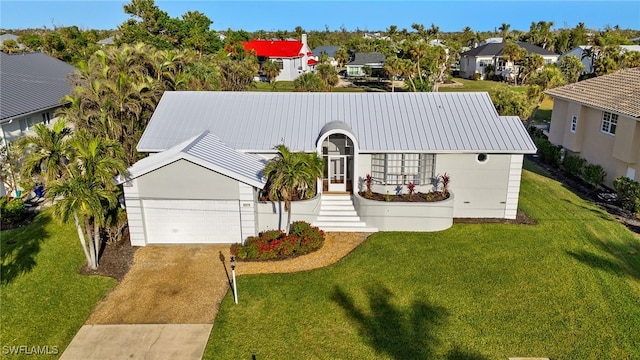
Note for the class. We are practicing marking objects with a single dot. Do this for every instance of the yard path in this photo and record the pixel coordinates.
(185, 284)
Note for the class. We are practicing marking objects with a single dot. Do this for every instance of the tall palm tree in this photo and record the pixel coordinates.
(342, 56)
(47, 152)
(504, 31)
(292, 175)
(86, 193)
(393, 68)
(328, 74)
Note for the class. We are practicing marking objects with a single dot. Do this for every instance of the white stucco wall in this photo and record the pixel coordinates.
(271, 215)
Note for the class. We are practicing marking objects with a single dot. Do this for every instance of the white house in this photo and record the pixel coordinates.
(32, 86)
(293, 56)
(201, 182)
(587, 56)
(475, 60)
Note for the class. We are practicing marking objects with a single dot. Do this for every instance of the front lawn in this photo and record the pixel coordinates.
(566, 288)
(44, 299)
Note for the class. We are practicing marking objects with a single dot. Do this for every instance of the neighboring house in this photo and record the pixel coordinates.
(293, 56)
(476, 59)
(599, 120)
(13, 37)
(375, 61)
(108, 41)
(202, 179)
(329, 50)
(583, 52)
(32, 86)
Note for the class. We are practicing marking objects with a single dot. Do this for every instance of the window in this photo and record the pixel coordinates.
(574, 123)
(46, 118)
(609, 123)
(280, 63)
(400, 169)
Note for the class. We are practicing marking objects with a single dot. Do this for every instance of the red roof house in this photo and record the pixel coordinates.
(293, 56)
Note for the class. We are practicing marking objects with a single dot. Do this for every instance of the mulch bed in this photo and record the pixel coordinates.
(521, 219)
(417, 197)
(115, 261)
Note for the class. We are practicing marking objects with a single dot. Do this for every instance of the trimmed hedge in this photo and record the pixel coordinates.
(275, 244)
(12, 211)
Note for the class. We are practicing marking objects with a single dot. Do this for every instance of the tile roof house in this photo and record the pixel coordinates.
(202, 179)
(32, 86)
(599, 120)
(293, 56)
(475, 60)
(374, 60)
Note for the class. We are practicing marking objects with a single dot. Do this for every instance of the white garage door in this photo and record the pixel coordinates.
(192, 221)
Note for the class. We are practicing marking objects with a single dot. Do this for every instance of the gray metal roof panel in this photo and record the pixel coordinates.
(381, 122)
(209, 151)
(31, 82)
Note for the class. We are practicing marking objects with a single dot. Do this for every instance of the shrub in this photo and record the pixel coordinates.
(368, 181)
(548, 152)
(574, 165)
(593, 174)
(628, 192)
(275, 244)
(445, 179)
(12, 211)
(477, 76)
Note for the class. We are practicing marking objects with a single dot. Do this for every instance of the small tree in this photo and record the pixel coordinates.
(271, 70)
(628, 192)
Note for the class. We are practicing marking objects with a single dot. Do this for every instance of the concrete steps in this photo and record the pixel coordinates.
(338, 214)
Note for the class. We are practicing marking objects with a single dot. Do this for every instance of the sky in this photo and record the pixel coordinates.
(452, 15)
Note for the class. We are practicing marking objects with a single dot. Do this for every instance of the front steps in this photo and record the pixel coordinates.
(338, 214)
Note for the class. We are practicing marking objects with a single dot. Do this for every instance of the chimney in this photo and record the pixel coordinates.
(304, 39)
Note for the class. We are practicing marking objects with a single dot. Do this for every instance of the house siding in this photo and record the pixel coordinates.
(615, 153)
(15, 130)
(247, 211)
(271, 215)
(134, 213)
(185, 180)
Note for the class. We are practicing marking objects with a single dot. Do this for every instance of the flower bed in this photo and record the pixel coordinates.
(417, 197)
(276, 245)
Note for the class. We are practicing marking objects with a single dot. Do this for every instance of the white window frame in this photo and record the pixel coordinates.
(401, 169)
(609, 123)
(574, 124)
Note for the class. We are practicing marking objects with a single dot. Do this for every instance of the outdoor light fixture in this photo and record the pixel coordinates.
(233, 275)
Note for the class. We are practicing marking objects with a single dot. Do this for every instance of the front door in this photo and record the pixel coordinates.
(337, 173)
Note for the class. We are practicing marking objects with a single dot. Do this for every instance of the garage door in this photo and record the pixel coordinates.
(192, 221)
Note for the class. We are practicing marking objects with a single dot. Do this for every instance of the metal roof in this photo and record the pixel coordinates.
(208, 151)
(495, 49)
(31, 82)
(381, 122)
(618, 92)
(329, 50)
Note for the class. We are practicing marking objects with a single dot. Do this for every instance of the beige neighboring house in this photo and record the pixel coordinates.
(599, 120)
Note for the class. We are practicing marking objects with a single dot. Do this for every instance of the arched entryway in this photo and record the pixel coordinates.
(339, 150)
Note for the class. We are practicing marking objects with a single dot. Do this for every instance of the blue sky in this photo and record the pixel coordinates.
(451, 15)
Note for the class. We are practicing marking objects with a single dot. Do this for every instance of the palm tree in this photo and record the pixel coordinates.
(292, 175)
(47, 151)
(271, 70)
(393, 68)
(342, 56)
(309, 82)
(86, 193)
(504, 31)
(328, 74)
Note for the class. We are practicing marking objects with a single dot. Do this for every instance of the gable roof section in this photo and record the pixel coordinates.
(618, 92)
(495, 49)
(31, 82)
(208, 151)
(382, 122)
(275, 48)
(367, 58)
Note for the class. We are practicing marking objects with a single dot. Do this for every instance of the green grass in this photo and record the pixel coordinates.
(44, 299)
(566, 288)
(543, 115)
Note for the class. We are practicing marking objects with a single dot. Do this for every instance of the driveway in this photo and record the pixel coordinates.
(170, 284)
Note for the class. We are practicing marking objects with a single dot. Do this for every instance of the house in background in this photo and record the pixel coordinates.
(293, 56)
(584, 53)
(374, 61)
(599, 120)
(32, 86)
(201, 182)
(475, 60)
(329, 50)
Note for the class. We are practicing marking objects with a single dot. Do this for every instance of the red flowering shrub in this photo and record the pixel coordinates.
(275, 244)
